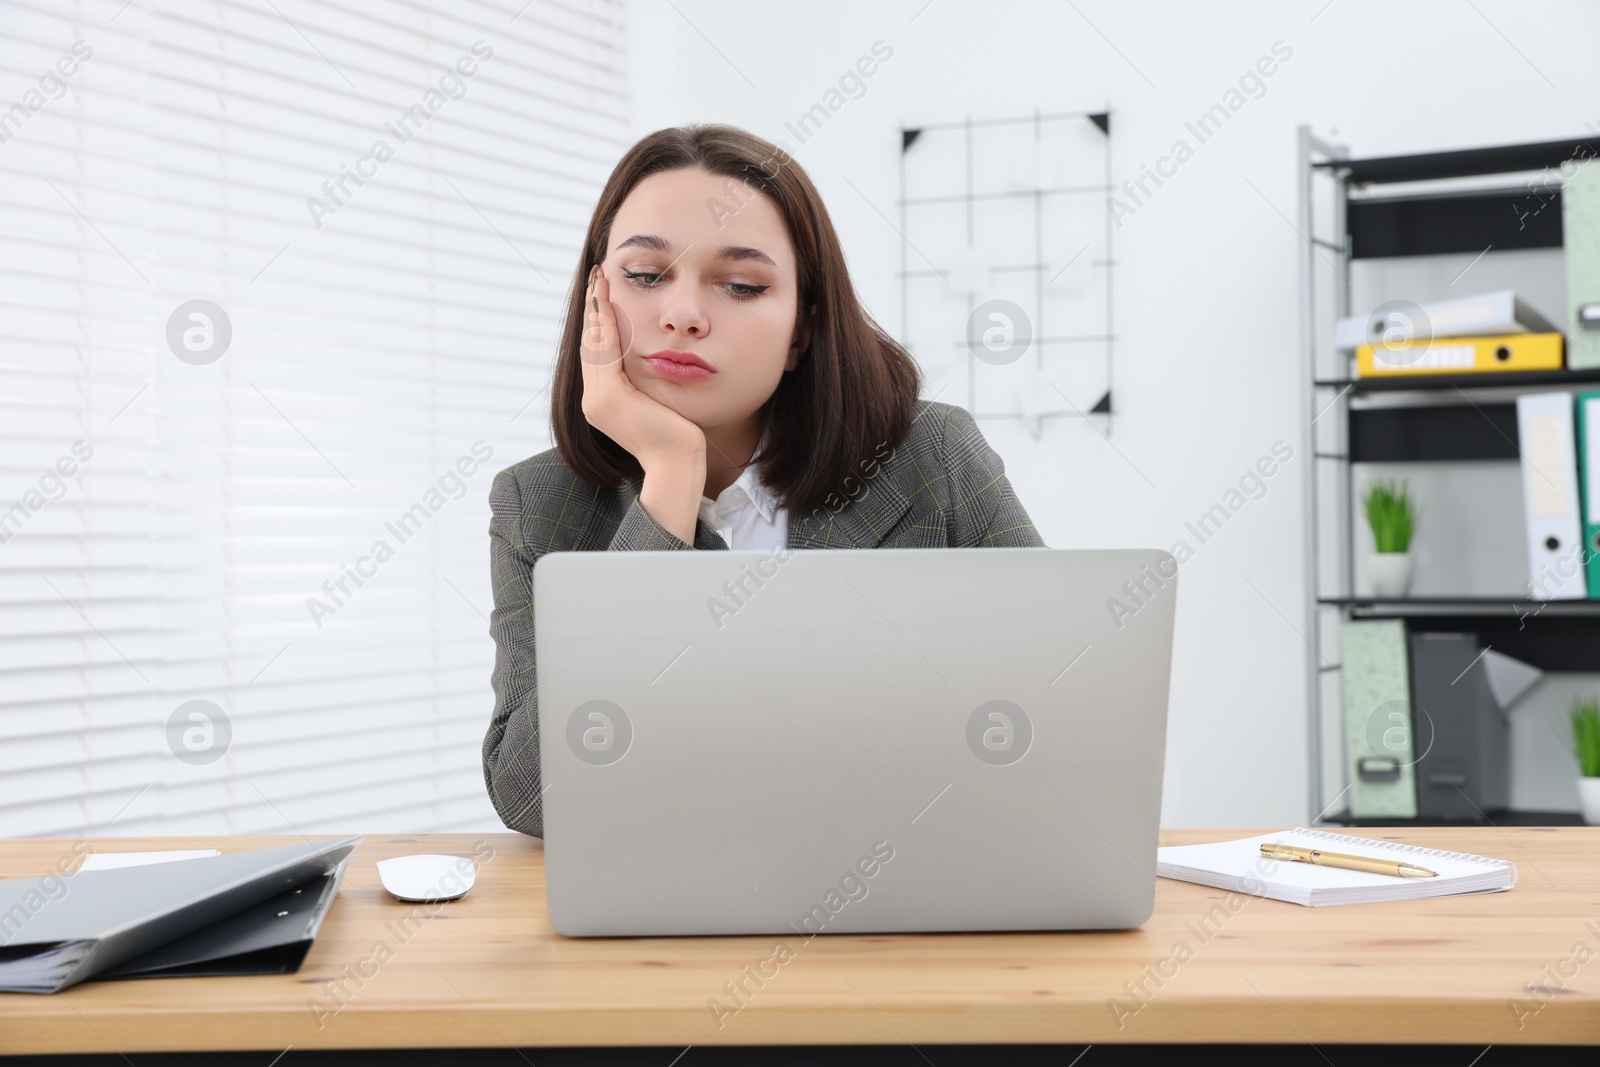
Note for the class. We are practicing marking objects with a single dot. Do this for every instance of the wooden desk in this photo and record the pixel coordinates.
(1511, 968)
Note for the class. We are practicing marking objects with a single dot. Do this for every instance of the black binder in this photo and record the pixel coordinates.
(272, 937)
(253, 912)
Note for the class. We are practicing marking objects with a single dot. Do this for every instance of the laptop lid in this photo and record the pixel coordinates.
(802, 742)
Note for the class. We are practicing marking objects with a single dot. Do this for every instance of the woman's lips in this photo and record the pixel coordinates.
(682, 372)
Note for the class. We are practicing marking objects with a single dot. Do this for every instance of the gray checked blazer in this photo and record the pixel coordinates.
(942, 487)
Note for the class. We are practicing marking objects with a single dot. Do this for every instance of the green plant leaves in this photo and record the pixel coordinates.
(1585, 716)
(1391, 514)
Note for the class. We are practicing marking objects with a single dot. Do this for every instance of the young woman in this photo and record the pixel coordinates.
(719, 386)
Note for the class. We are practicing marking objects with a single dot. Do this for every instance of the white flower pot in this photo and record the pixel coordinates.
(1589, 800)
(1390, 573)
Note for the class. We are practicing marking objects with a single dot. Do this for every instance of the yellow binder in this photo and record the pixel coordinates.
(1462, 355)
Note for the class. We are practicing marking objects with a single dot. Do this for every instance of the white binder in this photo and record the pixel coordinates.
(1550, 496)
(1484, 315)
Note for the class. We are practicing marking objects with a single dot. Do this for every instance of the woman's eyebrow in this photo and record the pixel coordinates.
(662, 245)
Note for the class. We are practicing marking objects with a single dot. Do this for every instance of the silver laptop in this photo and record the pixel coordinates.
(852, 741)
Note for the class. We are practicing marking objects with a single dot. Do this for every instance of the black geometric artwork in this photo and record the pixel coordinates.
(1006, 263)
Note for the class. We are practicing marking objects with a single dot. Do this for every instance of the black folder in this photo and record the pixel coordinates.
(254, 912)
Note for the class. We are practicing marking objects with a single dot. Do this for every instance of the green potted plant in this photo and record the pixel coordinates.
(1392, 515)
(1584, 717)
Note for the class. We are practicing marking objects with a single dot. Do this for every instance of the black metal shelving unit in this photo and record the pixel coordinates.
(1418, 383)
(1491, 818)
(1377, 213)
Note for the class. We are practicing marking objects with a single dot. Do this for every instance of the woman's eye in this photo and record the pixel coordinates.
(737, 290)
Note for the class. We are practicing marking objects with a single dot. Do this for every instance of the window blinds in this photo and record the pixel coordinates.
(282, 286)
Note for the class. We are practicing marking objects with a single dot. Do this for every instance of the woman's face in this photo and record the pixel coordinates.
(702, 264)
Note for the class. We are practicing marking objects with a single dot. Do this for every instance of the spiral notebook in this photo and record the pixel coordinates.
(1239, 866)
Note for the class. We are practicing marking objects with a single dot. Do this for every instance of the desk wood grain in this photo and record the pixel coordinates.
(1521, 967)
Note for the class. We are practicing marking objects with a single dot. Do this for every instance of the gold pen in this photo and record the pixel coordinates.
(1370, 864)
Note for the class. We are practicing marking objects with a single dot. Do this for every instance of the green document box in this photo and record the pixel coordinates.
(1377, 718)
(1580, 225)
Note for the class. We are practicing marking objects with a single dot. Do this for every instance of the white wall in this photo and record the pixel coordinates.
(1207, 367)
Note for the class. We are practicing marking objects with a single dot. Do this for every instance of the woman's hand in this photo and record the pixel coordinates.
(670, 448)
(657, 436)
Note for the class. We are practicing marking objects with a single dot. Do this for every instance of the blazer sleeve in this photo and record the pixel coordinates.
(511, 744)
(984, 509)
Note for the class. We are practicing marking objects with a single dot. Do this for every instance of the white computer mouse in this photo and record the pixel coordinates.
(429, 878)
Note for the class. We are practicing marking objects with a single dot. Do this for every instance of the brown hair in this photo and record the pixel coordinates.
(853, 393)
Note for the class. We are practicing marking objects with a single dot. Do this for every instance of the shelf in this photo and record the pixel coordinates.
(1412, 205)
(1460, 605)
(1463, 162)
(1494, 818)
(1435, 222)
(1552, 635)
(1437, 382)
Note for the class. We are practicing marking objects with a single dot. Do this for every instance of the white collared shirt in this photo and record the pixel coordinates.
(746, 515)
